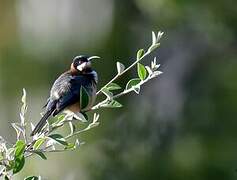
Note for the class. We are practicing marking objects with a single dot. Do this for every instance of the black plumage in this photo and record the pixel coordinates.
(65, 92)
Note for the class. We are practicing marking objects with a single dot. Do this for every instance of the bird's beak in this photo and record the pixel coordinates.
(93, 57)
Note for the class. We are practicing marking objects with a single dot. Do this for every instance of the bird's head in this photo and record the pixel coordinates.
(82, 64)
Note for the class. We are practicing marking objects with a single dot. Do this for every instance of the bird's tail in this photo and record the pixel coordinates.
(42, 122)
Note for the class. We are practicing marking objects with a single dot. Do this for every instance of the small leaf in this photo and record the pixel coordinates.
(58, 138)
(19, 164)
(32, 126)
(19, 159)
(132, 82)
(69, 115)
(84, 98)
(153, 47)
(10, 153)
(156, 73)
(60, 117)
(113, 86)
(77, 143)
(38, 143)
(41, 154)
(107, 93)
(92, 125)
(22, 118)
(70, 146)
(24, 106)
(96, 117)
(19, 148)
(154, 39)
(120, 67)
(79, 116)
(140, 53)
(112, 104)
(154, 66)
(31, 178)
(141, 70)
(149, 70)
(72, 128)
(153, 63)
(23, 99)
(18, 128)
(159, 35)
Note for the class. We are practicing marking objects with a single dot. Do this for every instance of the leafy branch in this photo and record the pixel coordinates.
(136, 83)
(49, 140)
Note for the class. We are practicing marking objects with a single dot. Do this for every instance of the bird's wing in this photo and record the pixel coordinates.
(71, 95)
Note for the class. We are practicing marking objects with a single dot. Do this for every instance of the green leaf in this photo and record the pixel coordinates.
(132, 82)
(38, 143)
(19, 159)
(84, 98)
(70, 146)
(140, 53)
(113, 86)
(31, 178)
(19, 164)
(59, 138)
(141, 70)
(112, 104)
(120, 67)
(41, 154)
(56, 119)
(19, 148)
(60, 117)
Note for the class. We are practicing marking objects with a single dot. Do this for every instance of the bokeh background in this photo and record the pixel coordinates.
(182, 125)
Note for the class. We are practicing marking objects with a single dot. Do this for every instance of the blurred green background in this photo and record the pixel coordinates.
(181, 126)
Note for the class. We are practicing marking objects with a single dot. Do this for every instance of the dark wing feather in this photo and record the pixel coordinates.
(68, 99)
(72, 94)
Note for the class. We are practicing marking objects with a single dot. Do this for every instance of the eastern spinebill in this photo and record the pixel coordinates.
(65, 92)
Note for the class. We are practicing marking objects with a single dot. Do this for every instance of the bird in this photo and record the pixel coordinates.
(68, 89)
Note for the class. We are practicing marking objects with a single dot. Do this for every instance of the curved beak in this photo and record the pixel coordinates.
(93, 57)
